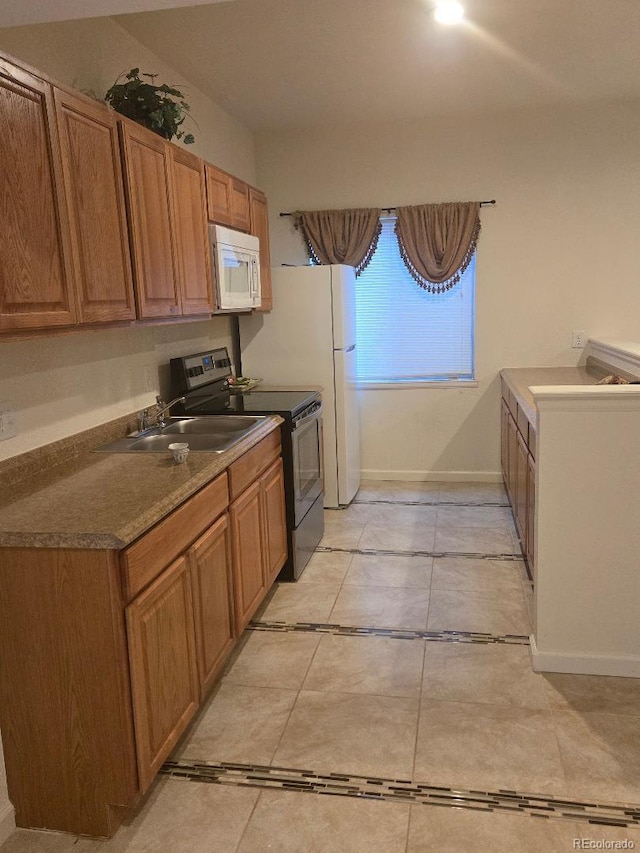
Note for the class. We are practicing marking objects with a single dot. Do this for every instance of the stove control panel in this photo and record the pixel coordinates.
(193, 371)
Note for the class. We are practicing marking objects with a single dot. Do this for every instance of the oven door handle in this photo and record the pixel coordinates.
(312, 417)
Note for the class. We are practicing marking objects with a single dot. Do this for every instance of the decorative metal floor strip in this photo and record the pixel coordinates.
(403, 790)
(472, 555)
(425, 503)
(391, 633)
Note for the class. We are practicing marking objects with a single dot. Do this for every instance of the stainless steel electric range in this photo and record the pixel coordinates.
(203, 380)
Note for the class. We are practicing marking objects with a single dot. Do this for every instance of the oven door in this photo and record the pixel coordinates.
(306, 440)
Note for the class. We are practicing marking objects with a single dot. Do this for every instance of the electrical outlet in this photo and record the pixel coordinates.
(578, 339)
(7, 422)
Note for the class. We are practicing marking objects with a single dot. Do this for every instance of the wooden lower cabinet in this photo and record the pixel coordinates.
(247, 538)
(214, 617)
(105, 656)
(520, 499)
(274, 521)
(517, 446)
(531, 515)
(164, 682)
(259, 537)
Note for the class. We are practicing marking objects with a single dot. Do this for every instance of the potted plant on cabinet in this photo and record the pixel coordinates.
(160, 108)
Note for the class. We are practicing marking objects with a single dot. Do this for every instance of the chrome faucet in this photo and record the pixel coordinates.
(164, 408)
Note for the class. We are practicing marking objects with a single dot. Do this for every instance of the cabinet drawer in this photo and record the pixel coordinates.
(246, 469)
(150, 554)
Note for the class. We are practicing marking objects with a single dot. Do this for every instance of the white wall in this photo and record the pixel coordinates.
(559, 251)
(59, 386)
(90, 55)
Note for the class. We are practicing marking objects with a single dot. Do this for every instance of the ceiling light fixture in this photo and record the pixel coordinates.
(449, 12)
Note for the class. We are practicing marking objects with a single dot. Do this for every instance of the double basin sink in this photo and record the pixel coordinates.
(213, 434)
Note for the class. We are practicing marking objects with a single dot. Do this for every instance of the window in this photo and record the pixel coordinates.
(405, 334)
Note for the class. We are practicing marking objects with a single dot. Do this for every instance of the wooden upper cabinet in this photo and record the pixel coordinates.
(148, 166)
(239, 205)
(259, 227)
(95, 200)
(227, 199)
(191, 232)
(35, 270)
(218, 195)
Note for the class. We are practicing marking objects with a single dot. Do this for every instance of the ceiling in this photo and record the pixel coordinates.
(281, 63)
(15, 14)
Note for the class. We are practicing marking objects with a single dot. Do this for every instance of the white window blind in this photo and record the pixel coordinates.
(406, 334)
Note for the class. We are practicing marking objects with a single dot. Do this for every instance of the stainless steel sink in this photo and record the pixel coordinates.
(220, 424)
(213, 434)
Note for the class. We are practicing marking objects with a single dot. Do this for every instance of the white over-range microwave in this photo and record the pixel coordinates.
(236, 258)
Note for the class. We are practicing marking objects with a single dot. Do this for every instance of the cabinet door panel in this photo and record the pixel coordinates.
(210, 560)
(259, 217)
(248, 549)
(531, 515)
(218, 195)
(239, 205)
(192, 239)
(512, 446)
(164, 680)
(35, 274)
(504, 442)
(148, 183)
(274, 520)
(95, 198)
(520, 501)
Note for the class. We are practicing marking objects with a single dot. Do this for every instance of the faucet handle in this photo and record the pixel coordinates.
(159, 401)
(143, 420)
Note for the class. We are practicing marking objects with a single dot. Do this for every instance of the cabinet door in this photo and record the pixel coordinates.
(147, 163)
(512, 446)
(164, 681)
(210, 559)
(35, 272)
(192, 238)
(531, 515)
(260, 228)
(239, 204)
(520, 502)
(248, 549)
(504, 442)
(95, 200)
(218, 195)
(274, 520)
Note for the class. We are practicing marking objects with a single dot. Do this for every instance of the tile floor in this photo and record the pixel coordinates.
(389, 704)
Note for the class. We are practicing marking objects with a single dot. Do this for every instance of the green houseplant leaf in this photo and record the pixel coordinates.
(159, 108)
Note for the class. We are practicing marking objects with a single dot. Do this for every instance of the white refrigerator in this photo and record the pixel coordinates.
(309, 338)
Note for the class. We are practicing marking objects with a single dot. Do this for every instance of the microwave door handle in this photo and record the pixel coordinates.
(254, 277)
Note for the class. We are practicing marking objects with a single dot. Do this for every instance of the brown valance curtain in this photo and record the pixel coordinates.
(340, 236)
(437, 241)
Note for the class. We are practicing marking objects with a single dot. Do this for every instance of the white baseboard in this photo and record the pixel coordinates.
(434, 476)
(587, 664)
(7, 821)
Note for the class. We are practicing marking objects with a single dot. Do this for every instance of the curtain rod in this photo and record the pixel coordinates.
(390, 209)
